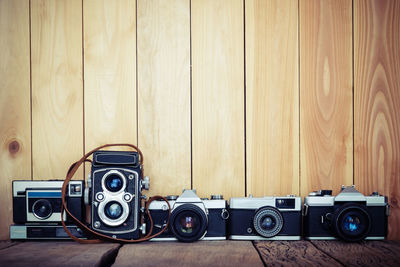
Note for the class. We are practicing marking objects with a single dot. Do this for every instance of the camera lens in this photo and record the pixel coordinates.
(114, 182)
(188, 222)
(268, 221)
(352, 222)
(42, 209)
(113, 210)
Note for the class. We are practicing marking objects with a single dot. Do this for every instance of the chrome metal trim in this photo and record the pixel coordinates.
(256, 237)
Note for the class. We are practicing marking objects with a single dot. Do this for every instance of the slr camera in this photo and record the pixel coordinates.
(191, 219)
(37, 209)
(40, 201)
(349, 216)
(265, 218)
(114, 194)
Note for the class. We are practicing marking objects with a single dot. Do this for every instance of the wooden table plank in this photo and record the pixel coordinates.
(6, 244)
(299, 253)
(202, 253)
(367, 253)
(58, 254)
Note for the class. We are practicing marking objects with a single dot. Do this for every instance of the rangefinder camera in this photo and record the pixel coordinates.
(191, 219)
(115, 194)
(265, 218)
(40, 201)
(349, 216)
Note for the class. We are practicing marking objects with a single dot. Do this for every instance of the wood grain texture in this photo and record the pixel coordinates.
(377, 102)
(66, 253)
(366, 253)
(201, 253)
(326, 116)
(110, 72)
(292, 253)
(272, 97)
(218, 97)
(164, 93)
(57, 104)
(15, 119)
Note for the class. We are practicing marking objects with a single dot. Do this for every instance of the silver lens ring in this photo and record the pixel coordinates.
(43, 202)
(108, 221)
(109, 173)
(268, 222)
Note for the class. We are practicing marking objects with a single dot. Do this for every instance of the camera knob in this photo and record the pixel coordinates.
(146, 183)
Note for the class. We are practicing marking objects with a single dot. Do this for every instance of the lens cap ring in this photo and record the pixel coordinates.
(355, 218)
(268, 217)
(191, 211)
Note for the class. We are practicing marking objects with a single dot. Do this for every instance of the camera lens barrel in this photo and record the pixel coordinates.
(352, 222)
(188, 222)
(42, 209)
(268, 221)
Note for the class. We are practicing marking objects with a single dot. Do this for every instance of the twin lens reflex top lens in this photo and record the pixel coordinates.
(114, 183)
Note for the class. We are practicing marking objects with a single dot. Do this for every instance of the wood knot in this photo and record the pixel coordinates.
(13, 147)
(393, 202)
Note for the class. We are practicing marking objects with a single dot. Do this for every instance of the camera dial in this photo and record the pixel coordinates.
(268, 222)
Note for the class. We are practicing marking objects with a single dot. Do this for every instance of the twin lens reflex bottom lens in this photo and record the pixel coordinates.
(114, 183)
(42, 209)
(113, 210)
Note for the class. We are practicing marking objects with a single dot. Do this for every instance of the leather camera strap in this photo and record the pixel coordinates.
(98, 237)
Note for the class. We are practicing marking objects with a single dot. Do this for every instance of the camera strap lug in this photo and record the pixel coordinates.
(305, 210)
(224, 214)
(387, 210)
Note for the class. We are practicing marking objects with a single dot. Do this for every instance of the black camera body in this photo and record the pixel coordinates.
(349, 216)
(265, 218)
(115, 193)
(40, 202)
(191, 219)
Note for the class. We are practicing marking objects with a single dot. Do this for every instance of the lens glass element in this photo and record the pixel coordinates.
(188, 223)
(42, 209)
(113, 210)
(351, 223)
(268, 222)
(114, 183)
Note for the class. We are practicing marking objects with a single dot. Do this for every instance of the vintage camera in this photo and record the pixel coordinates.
(265, 218)
(40, 201)
(349, 216)
(115, 193)
(191, 219)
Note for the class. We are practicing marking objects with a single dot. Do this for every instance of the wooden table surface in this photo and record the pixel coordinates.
(202, 253)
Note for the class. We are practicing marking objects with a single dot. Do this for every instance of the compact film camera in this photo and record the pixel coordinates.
(265, 218)
(349, 216)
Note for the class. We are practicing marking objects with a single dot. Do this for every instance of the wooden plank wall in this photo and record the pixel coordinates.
(230, 97)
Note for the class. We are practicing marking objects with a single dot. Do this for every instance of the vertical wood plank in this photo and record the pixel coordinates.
(377, 102)
(218, 97)
(15, 107)
(326, 146)
(110, 72)
(164, 93)
(57, 108)
(272, 97)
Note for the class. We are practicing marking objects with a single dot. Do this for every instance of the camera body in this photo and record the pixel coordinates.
(191, 219)
(265, 218)
(349, 216)
(115, 193)
(40, 201)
